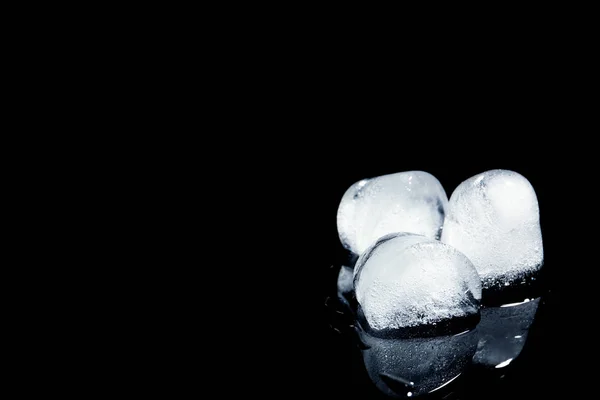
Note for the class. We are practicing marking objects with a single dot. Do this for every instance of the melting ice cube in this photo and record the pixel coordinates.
(412, 201)
(407, 280)
(493, 218)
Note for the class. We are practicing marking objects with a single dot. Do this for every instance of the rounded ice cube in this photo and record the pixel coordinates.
(412, 201)
(494, 219)
(406, 280)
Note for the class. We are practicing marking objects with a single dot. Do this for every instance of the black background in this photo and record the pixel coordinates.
(304, 126)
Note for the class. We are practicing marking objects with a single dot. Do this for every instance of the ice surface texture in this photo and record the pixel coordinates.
(412, 201)
(493, 218)
(406, 280)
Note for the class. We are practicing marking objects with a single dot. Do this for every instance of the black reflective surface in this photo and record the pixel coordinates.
(473, 363)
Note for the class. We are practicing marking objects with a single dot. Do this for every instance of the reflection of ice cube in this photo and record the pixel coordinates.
(406, 280)
(412, 201)
(502, 333)
(428, 363)
(493, 218)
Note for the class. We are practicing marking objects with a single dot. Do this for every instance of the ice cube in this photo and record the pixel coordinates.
(412, 201)
(493, 218)
(407, 280)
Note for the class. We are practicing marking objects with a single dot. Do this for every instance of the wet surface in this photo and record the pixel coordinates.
(474, 361)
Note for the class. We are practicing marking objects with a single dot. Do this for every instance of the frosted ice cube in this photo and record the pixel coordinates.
(406, 280)
(412, 201)
(493, 218)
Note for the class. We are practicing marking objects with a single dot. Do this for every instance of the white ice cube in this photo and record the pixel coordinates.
(412, 201)
(494, 219)
(406, 280)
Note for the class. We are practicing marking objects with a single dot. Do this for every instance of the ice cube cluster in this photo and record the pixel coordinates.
(424, 258)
